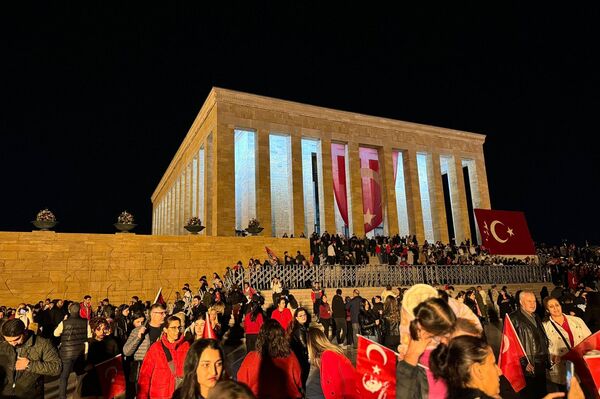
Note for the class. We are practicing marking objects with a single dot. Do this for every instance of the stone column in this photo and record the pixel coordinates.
(388, 189)
(297, 184)
(328, 199)
(207, 217)
(436, 198)
(460, 212)
(413, 195)
(223, 182)
(482, 184)
(358, 218)
(263, 182)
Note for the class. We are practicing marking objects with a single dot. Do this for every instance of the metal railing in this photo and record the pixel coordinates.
(340, 276)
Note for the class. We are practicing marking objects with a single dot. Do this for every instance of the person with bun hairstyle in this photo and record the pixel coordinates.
(433, 323)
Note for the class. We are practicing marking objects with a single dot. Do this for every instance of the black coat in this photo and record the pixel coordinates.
(73, 337)
(338, 307)
(533, 337)
(366, 319)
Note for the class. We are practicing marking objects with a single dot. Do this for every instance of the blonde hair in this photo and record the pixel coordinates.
(219, 308)
(318, 343)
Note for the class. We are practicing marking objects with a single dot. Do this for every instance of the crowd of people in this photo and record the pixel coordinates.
(176, 351)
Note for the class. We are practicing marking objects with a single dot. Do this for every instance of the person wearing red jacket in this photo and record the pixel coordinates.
(332, 375)
(85, 308)
(159, 377)
(272, 371)
(282, 314)
(253, 321)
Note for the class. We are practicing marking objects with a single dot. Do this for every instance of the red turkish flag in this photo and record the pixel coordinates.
(504, 232)
(572, 280)
(371, 188)
(511, 352)
(111, 377)
(376, 370)
(208, 331)
(586, 358)
(159, 298)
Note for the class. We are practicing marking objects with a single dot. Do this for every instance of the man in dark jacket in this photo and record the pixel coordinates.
(24, 361)
(530, 330)
(73, 333)
(354, 306)
(338, 309)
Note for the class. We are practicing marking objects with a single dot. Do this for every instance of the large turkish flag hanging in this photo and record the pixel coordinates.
(504, 232)
(371, 188)
(338, 170)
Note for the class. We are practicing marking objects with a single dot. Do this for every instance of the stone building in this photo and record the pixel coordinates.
(299, 168)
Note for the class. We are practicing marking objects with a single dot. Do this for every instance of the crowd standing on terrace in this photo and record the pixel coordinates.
(300, 350)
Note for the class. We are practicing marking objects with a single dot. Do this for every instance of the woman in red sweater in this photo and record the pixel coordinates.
(272, 371)
(331, 375)
(282, 314)
(160, 377)
(252, 323)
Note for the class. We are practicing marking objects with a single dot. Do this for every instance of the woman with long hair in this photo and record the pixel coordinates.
(433, 323)
(391, 323)
(332, 375)
(194, 332)
(368, 321)
(297, 333)
(252, 322)
(202, 370)
(272, 370)
(471, 302)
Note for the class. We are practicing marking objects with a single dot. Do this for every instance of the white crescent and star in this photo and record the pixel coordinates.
(505, 344)
(509, 231)
(376, 348)
(368, 217)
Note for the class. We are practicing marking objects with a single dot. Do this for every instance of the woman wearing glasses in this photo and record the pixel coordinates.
(162, 369)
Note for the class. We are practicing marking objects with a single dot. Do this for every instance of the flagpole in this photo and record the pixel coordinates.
(157, 295)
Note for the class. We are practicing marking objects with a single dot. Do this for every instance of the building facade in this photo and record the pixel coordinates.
(300, 169)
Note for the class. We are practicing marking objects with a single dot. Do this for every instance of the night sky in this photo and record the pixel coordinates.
(96, 101)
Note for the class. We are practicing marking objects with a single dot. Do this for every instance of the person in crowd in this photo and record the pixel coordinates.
(391, 323)
(315, 296)
(196, 329)
(142, 337)
(433, 323)
(339, 317)
(121, 324)
(530, 330)
(102, 347)
(198, 307)
(591, 315)
(203, 369)
(354, 306)
(230, 389)
(564, 332)
(282, 314)
(73, 333)
(493, 295)
(460, 297)
(248, 292)
(213, 313)
(24, 361)
(368, 321)
(325, 314)
(505, 303)
(332, 375)
(387, 292)
(297, 333)
(471, 302)
(253, 321)
(277, 288)
(162, 369)
(272, 371)
(86, 307)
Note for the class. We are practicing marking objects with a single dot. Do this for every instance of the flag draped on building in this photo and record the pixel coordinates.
(376, 370)
(111, 376)
(511, 352)
(338, 169)
(371, 188)
(504, 232)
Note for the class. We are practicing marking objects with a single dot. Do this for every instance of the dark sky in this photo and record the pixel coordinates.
(95, 101)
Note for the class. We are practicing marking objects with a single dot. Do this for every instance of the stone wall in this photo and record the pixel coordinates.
(37, 265)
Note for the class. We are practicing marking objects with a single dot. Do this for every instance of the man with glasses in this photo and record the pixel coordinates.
(24, 361)
(142, 337)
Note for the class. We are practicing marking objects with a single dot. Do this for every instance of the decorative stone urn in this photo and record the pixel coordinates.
(194, 229)
(44, 225)
(125, 227)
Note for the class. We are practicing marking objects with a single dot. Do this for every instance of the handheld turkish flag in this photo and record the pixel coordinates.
(511, 352)
(159, 298)
(208, 329)
(504, 232)
(586, 359)
(271, 254)
(376, 370)
(111, 376)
